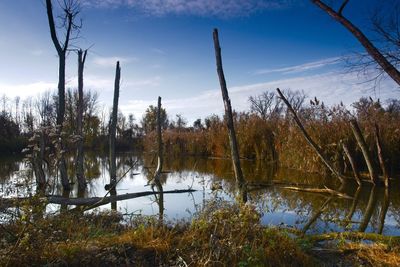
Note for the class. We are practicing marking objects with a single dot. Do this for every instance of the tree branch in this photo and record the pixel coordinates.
(52, 26)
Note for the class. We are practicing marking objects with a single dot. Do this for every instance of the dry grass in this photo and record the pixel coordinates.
(222, 234)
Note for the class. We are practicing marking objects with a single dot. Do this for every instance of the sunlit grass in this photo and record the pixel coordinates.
(223, 234)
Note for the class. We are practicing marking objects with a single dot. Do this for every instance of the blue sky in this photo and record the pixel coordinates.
(165, 48)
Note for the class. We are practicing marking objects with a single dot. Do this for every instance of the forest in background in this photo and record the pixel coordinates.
(265, 132)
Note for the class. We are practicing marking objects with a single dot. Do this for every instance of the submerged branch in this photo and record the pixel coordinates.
(319, 190)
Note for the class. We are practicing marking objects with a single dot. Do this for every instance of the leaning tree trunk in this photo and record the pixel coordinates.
(352, 163)
(357, 33)
(79, 158)
(229, 118)
(365, 151)
(310, 141)
(380, 155)
(113, 126)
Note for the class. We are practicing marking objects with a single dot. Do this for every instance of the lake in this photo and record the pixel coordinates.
(369, 209)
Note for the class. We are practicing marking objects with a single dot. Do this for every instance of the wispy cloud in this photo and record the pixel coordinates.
(111, 61)
(26, 90)
(302, 67)
(37, 52)
(330, 87)
(219, 8)
(158, 51)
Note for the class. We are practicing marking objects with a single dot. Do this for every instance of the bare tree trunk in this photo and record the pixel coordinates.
(113, 126)
(80, 174)
(37, 161)
(229, 118)
(364, 149)
(371, 49)
(316, 215)
(369, 210)
(380, 155)
(61, 51)
(352, 163)
(384, 209)
(160, 159)
(353, 206)
(310, 141)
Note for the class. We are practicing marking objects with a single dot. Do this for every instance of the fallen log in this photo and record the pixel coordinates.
(319, 190)
(54, 199)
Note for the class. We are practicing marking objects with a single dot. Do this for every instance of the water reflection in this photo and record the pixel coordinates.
(371, 209)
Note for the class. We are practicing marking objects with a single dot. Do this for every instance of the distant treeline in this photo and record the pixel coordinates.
(20, 119)
(265, 132)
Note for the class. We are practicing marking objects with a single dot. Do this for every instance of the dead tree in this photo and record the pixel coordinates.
(310, 141)
(229, 118)
(79, 158)
(372, 50)
(352, 163)
(365, 151)
(381, 156)
(160, 159)
(71, 10)
(369, 210)
(38, 159)
(113, 126)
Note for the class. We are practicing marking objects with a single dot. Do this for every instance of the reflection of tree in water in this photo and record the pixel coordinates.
(343, 213)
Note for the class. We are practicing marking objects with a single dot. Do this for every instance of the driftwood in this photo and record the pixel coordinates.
(54, 199)
(310, 141)
(319, 190)
(229, 118)
(273, 183)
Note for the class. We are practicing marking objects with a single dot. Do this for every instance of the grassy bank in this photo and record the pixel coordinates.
(221, 235)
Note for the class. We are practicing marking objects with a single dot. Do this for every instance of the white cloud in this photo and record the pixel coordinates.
(302, 67)
(219, 8)
(112, 61)
(102, 83)
(37, 52)
(330, 87)
(26, 90)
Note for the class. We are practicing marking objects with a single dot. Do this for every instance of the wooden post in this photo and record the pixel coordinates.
(352, 163)
(364, 149)
(79, 158)
(113, 126)
(380, 155)
(228, 113)
(310, 141)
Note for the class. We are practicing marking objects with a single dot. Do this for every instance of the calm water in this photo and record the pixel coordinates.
(371, 210)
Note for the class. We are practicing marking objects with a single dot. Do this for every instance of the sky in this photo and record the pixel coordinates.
(166, 49)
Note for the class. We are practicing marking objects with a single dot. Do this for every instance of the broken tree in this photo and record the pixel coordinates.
(229, 118)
